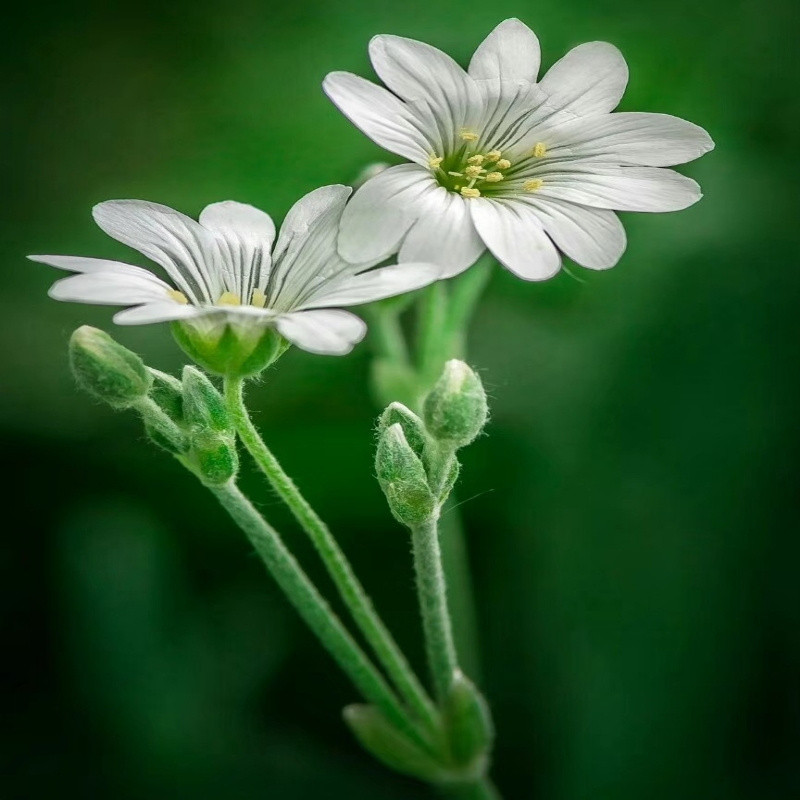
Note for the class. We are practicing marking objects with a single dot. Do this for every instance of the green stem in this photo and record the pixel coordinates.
(466, 291)
(350, 588)
(432, 593)
(430, 337)
(312, 607)
(388, 338)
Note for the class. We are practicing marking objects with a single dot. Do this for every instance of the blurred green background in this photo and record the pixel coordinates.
(629, 516)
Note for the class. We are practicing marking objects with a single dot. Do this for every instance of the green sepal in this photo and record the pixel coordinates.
(391, 747)
(403, 479)
(203, 406)
(453, 471)
(412, 425)
(168, 437)
(234, 351)
(166, 392)
(456, 410)
(214, 457)
(468, 725)
(106, 369)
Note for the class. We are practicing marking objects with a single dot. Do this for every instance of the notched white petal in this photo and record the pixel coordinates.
(510, 52)
(322, 331)
(157, 312)
(108, 288)
(516, 238)
(379, 114)
(590, 79)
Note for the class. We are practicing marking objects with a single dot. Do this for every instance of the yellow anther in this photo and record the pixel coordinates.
(229, 299)
(178, 297)
(503, 163)
(539, 149)
(434, 162)
(468, 192)
(469, 136)
(474, 171)
(533, 184)
(478, 159)
(493, 177)
(259, 299)
(493, 155)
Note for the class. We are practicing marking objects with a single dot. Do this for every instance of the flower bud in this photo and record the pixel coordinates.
(203, 406)
(414, 430)
(402, 478)
(455, 411)
(214, 456)
(106, 369)
(166, 392)
(390, 746)
(222, 348)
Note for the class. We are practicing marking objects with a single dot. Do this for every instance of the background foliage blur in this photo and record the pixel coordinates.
(628, 516)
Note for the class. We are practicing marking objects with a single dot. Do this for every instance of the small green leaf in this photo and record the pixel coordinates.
(203, 406)
(468, 723)
(380, 738)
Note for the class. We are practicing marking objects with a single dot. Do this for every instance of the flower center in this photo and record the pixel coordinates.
(473, 173)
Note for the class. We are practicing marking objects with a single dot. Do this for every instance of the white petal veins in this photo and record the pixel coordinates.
(510, 52)
(516, 238)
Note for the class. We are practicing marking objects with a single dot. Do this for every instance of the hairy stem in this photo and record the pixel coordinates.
(432, 593)
(350, 588)
(312, 607)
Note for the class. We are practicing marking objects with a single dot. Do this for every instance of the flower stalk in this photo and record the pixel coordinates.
(337, 564)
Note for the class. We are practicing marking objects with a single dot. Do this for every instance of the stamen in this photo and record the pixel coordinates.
(533, 184)
(456, 174)
(493, 177)
(467, 191)
(474, 171)
(539, 150)
(178, 297)
(476, 159)
(493, 155)
(259, 299)
(503, 163)
(434, 162)
(469, 136)
(229, 299)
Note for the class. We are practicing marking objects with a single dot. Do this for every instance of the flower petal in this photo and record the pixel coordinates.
(592, 237)
(423, 74)
(623, 188)
(91, 265)
(590, 79)
(381, 212)
(109, 288)
(510, 52)
(443, 233)
(652, 140)
(379, 114)
(516, 238)
(187, 251)
(157, 312)
(245, 235)
(377, 284)
(306, 253)
(326, 331)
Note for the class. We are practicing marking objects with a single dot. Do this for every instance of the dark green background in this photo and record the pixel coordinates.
(628, 515)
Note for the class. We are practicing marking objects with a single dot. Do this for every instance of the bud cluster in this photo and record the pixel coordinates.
(415, 459)
(187, 417)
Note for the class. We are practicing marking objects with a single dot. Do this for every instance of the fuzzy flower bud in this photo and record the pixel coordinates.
(214, 456)
(414, 430)
(402, 478)
(106, 369)
(455, 411)
(203, 406)
(166, 392)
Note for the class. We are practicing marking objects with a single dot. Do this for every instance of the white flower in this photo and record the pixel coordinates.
(225, 271)
(501, 161)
